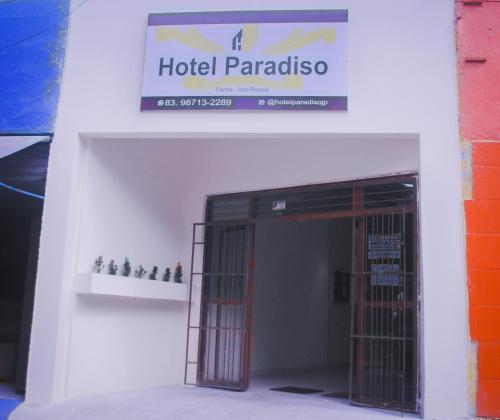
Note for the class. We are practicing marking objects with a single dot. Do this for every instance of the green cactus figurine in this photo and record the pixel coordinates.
(178, 273)
(98, 264)
(154, 272)
(112, 268)
(140, 272)
(126, 268)
(166, 275)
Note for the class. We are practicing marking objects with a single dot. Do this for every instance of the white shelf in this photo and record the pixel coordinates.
(130, 287)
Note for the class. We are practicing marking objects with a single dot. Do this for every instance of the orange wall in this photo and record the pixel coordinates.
(478, 36)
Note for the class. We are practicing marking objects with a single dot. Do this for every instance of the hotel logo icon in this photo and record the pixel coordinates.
(237, 41)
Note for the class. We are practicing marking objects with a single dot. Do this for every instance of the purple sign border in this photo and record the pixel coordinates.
(248, 16)
(249, 103)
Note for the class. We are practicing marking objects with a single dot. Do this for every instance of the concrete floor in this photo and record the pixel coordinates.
(192, 403)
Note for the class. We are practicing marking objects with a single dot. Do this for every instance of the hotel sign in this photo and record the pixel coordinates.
(252, 60)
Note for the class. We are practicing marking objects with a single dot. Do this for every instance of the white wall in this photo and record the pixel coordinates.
(290, 299)
(132, 193)
(130, 208)
(401, 81)
(138, 200)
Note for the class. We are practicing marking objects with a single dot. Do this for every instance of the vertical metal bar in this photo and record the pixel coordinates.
(387, 319)
(211, 301)
(385, 305)
(232, 297)
(202, 333)
(369, 230)
(233, 307)
(216, 302)
(238, 296)
(378, 371)
(378, 289)
(246, 264)
(189, 303)
(233, 326)
(353, 298)
(403, 397)
(353, 293)
(364, 304)
(380, 331)
(359, 269)
(202, 316)
(417, 309)
(223, 298)
(393, 287)
(248, 301)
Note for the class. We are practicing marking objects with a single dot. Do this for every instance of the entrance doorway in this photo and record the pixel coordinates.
(300, 307)
(312, 289)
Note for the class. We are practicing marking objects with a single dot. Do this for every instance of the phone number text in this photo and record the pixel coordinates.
(194, 103)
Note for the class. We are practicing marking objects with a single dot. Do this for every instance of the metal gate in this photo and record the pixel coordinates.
(384, 284)
(223, 347)
(384, 317)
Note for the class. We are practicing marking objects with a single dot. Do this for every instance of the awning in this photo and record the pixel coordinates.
(12, 144)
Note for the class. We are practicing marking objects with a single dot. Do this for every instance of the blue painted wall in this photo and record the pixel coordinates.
(32, 42)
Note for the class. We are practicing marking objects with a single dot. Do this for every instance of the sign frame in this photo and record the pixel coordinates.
(246, 60)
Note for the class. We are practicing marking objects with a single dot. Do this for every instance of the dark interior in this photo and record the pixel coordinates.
(20, 219)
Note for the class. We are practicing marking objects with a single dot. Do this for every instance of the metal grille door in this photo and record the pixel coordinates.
(384, 311)
(224, 329)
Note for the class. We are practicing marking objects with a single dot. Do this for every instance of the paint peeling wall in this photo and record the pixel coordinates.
(478, 38)
(32, 43)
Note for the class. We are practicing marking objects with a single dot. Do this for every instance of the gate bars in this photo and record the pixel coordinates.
(383, 365)
(384, 284)
(196, 250)
(224, 317)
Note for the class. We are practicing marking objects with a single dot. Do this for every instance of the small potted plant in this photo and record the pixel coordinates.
(112, 268)
(140, 272)
(98, 264)
(126, 269)
(154, 272)
(178, 273)
(167, 274)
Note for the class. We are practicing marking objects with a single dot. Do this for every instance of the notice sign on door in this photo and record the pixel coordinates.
(385, 275)
(250, 60)
(384, 246)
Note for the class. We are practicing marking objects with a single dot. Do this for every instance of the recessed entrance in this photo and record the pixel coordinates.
(311, 290)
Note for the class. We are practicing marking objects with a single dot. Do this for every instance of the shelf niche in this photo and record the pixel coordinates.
(89, 284)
